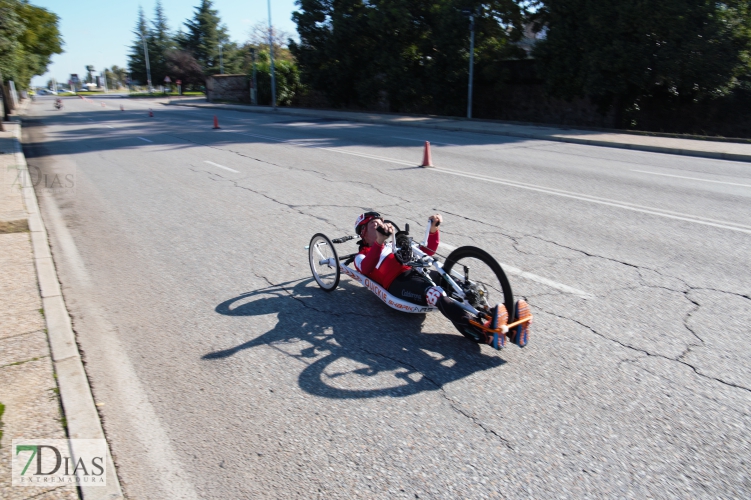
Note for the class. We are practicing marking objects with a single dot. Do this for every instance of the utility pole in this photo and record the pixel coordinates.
(221, 61)
(271, 55)
(148, 66)
(253, 81)
(471, 62)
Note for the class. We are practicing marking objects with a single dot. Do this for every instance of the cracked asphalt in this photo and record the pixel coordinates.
(222, 371)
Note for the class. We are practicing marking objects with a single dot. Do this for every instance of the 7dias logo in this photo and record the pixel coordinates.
(45, 183)
(53, 462)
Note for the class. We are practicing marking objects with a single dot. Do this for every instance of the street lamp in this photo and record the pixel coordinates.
(271, 55)
(471, 15)
(148, 66)
(253, 82)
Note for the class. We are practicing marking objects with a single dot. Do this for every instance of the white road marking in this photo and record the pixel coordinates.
(533, 277)
(422, 140)
(65, 240)
(221, 166)
(109, 126)
(372, 157)
(693, 178)
(144, 139)
(545, 281)
(732, 226)
(334, 150)
(151, 435)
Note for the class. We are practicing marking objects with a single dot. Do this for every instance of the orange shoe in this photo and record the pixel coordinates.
(520, 334)
(498, 318)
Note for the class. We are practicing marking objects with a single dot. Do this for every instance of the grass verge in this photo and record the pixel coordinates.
(14, 226)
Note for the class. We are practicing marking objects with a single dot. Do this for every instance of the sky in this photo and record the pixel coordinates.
(100, 32)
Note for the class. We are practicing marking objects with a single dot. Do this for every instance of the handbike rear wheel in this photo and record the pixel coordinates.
(324, 262)
(491, 284)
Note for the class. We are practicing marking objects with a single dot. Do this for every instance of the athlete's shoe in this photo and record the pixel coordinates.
(498, 318)
(520, 334)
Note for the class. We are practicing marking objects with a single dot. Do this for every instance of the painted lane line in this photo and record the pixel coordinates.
(732, 226)
(144, 139)
(693, 178)
(293, 142)
(534, 277)
(372, 157)
(422, 140)
(109, 126)
(545, 281)
(221, 166)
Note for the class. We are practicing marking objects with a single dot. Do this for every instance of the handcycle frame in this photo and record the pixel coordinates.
(421, 263)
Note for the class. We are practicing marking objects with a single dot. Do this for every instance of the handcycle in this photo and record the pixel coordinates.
(478, 294)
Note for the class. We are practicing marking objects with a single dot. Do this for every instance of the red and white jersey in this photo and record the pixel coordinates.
(381, 265)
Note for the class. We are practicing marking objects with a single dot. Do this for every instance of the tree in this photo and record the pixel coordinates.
(160, 42)
(203, 36)
(136, 59)
(116, 77)
(621, 53)
(181, 65)
(402, 55)
(287, 78)
(29, 36)
(258, 37)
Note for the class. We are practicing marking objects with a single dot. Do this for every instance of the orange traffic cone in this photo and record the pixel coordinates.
(151, 113)
(427, 161)
(216, 122)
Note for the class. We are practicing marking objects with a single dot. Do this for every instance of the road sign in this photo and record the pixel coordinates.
(74, 78)
(167, 79)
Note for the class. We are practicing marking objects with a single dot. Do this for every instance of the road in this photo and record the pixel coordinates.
(222, 371)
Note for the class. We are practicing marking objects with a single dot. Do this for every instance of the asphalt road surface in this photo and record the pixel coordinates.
(222, 371)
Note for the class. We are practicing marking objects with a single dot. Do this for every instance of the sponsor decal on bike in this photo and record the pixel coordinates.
(433, 294)
(407, 293)
(386, 297)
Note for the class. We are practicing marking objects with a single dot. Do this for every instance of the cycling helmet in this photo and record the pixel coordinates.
(363, 219)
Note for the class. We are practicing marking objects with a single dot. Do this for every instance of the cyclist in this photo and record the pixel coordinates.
(377, 261)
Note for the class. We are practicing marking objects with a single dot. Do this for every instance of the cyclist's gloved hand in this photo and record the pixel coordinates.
(383, 231)
(435, 221)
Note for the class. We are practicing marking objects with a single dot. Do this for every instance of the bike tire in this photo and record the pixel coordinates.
(469, 252)
(320, 247)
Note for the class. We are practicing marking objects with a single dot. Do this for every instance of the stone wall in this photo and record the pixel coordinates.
(234, 88)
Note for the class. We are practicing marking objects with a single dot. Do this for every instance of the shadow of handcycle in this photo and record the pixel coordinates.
(355, 347)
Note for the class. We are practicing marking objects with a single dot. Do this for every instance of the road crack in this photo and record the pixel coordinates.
(646, 352)
(452, 403)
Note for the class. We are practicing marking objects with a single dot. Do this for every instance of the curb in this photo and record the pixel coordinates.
(82, 418)
(457, 126)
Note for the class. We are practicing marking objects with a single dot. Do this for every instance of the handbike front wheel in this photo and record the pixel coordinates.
(487, 285)
(324, 262)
